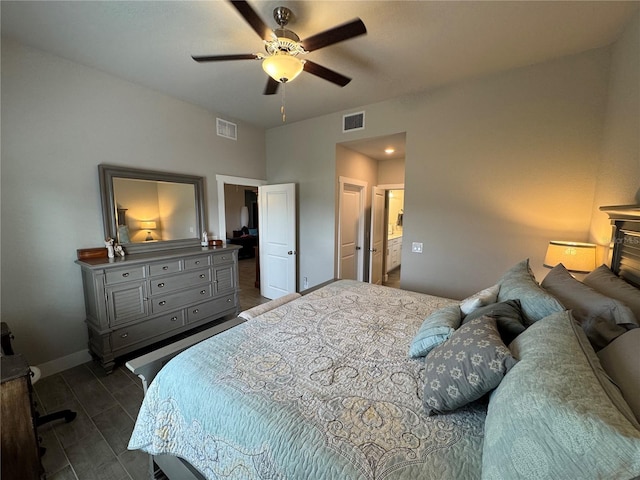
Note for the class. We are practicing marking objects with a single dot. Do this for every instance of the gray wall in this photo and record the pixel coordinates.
(59, 121)
(495, 168)
(619, 172)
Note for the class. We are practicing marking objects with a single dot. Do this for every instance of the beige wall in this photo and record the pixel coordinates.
(495, 168)
(391, 172)
(619, 170)
(59, 121)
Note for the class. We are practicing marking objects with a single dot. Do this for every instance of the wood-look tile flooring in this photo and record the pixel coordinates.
(94, 445)
(393, 278)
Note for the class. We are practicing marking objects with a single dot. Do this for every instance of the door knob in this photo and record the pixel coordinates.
(358, 248)
(291, 252)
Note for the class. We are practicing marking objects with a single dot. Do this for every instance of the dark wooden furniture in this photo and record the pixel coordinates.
(20, 450)
(247, 243)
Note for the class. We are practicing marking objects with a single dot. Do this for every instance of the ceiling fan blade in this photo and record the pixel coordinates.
(253, 19)
(272, 87)
(222, 58)
(337, 34)
(325, 73)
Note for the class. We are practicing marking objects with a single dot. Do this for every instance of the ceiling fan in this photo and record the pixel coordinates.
(283, 47)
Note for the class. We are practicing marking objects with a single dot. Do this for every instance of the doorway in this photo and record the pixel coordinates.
(378, 165)
(351, 229)
(233, 194)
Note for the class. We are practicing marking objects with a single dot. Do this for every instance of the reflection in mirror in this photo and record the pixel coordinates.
(149, 211)
(146, 210)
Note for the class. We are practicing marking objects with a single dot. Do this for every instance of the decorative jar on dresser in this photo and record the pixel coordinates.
(135, 301)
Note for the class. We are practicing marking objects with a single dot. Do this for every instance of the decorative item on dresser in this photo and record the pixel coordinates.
(145, 298)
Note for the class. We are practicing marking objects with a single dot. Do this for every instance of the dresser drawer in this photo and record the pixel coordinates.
(119, 275)
(124, 337)
(222, 304)
(223, 258)
(169, 266)
(171, 302)
(197, 262)
(176, 282)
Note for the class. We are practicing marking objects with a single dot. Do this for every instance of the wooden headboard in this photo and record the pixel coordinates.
(625, 260)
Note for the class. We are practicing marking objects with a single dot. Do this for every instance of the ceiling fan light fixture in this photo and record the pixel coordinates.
(282, 67)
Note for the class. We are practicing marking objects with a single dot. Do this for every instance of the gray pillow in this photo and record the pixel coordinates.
(550, 418)
(621, 362)
(464, 368)
(608, 283)
(602, 318)
(520, 283)
(508, 316)
(435, 329)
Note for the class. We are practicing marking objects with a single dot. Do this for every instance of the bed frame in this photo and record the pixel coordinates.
(625, 262)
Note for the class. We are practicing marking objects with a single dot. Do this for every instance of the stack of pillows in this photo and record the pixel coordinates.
(465, 346)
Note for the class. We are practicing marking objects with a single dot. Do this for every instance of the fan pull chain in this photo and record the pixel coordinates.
(282, 107)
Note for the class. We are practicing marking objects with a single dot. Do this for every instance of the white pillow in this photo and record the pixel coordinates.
(480, 299)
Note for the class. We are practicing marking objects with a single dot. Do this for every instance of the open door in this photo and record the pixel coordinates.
(376, 247)
(277, 225)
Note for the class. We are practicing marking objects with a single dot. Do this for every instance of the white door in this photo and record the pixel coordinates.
(277, 226)
(378, 230)
(351, 230)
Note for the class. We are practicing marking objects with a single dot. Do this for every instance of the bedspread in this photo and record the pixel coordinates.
(318, 388)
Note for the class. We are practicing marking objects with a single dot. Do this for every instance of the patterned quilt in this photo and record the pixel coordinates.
(318, 388)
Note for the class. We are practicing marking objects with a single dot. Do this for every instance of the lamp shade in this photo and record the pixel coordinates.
(282, 67)
(575, 256)
(244, 216)
(148, 225)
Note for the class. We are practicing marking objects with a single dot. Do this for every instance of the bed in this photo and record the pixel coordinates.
(329, 385)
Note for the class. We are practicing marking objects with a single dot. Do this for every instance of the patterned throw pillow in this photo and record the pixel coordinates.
(468, 365)
(508, 315)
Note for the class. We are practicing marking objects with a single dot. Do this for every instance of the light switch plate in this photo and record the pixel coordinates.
(416, 247)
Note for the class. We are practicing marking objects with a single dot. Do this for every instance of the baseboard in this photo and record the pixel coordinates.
(63, 363)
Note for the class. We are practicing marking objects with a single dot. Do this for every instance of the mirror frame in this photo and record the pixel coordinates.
(108, 172)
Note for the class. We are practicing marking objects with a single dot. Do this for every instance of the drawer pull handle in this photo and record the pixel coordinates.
(202, 275)
(195, 310)
(124, 335)
(160, 285)
(163, 302)
(197, 262)
(165, 268)
(202, 292)
(228, 300)
(174, 319)
(223, 257)
(125, 274)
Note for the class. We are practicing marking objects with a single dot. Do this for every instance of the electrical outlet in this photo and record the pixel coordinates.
(416, 247)
(305, 282)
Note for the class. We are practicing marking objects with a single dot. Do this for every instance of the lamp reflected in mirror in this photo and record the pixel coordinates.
(148, 226)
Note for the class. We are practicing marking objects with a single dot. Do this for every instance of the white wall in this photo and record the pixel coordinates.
(59, 121)
(619, 172)
(495, 168)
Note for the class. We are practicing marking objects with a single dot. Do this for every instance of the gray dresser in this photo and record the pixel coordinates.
(138, 300)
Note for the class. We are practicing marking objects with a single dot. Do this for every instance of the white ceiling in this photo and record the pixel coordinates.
(410, 46)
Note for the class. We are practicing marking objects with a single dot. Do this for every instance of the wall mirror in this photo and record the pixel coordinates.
(146, 210)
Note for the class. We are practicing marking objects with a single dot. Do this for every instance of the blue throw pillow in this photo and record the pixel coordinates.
(435, 329)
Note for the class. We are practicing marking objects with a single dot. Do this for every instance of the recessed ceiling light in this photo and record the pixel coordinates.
(389, 150)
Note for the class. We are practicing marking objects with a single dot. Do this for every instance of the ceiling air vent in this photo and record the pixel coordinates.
(227, 129)
(353, 121)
